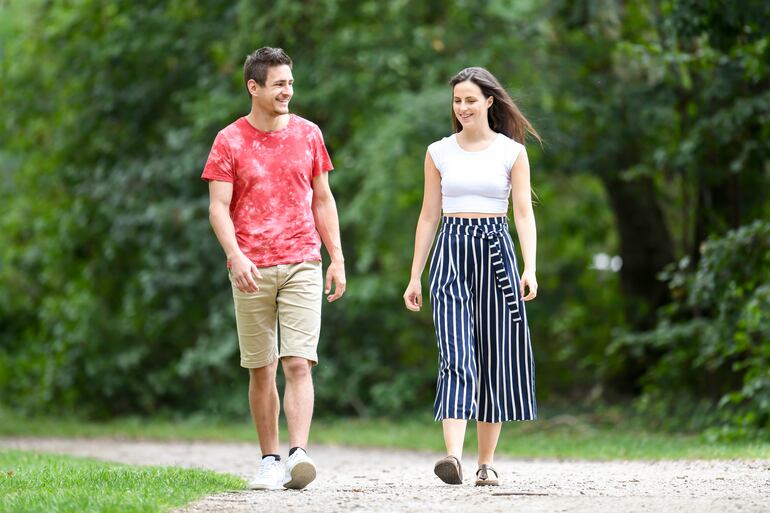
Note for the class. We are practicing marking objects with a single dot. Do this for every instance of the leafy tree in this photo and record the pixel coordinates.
(713, 339)
(114, 297)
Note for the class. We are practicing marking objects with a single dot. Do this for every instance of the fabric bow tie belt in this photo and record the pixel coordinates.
(504, 282)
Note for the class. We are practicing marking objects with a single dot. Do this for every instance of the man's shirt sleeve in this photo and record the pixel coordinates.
(321, 160)
(220, 164)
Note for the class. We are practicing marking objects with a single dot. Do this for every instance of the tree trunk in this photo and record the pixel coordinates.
(645, 246)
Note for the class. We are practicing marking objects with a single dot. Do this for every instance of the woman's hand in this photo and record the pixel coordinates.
(413, 296)
(528, 281)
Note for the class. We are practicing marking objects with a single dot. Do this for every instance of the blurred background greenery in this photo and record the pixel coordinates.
(653, 211)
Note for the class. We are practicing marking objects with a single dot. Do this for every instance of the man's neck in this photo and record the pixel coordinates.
(267, 122)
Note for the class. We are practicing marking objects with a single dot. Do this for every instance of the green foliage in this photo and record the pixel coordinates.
(118, 270)
(667, 104)
(668, 94)
(107, 272)
(113, 294)
(577, 302)
(713, 341)
(31, 482)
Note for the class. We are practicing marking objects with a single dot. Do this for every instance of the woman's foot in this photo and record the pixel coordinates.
(487, 476)
(450, 470)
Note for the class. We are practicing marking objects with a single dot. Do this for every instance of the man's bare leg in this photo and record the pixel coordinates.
(298, 399)
(265, 406)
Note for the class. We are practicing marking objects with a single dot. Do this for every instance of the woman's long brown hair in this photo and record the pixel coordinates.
(504, 116)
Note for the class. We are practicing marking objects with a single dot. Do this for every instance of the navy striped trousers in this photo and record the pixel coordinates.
(486, 368)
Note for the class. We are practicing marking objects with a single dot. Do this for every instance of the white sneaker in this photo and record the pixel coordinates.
(300, 470)
(270, 475)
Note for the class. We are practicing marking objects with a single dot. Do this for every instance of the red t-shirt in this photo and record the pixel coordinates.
(272, 175)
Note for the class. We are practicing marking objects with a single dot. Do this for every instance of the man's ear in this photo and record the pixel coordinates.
(253, 87)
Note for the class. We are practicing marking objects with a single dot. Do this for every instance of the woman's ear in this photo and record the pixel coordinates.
(490, 101)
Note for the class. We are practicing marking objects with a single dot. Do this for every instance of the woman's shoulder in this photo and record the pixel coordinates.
(511, 143)
(440, 150)
(511, 150)
(444, 141)
(442, 146)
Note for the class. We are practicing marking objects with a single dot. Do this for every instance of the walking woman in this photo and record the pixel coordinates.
(486, 368)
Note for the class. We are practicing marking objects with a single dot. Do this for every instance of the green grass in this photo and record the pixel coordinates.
(559, 437)
(31, 482)
(610, 436)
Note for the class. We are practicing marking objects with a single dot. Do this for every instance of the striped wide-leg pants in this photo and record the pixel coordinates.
(486, 368)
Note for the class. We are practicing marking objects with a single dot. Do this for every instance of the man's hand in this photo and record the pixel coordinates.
(335, 274)
(245, 274)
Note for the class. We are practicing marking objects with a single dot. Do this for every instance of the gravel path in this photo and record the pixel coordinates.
(374, 480)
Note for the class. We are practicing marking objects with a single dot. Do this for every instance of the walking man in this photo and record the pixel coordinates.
(269, 201)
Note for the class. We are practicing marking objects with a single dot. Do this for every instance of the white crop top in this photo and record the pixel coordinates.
(475, 181)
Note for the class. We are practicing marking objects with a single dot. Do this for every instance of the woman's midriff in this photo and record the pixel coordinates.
(473, 215)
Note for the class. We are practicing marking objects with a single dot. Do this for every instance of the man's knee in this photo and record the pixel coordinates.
(263, 376)
(296, 368)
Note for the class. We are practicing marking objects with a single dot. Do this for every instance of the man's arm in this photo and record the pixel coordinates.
(328, 225)
(243, 270)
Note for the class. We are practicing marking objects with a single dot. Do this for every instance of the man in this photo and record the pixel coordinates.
(269, 201)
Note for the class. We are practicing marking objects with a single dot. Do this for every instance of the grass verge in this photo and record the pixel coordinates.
(32, 482)
(609, 436)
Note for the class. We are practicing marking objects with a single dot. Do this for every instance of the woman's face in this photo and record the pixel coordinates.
(470, 106)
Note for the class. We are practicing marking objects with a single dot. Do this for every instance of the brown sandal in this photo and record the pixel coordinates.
(483, 477)
(449, 470)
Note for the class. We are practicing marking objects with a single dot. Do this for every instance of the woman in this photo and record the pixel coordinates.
(486, 367)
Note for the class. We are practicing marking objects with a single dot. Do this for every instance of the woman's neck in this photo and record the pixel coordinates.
(479, 134)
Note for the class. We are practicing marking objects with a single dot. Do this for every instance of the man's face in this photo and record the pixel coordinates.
(273, 98)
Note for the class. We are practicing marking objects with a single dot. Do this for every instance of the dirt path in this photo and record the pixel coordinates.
(372, 480)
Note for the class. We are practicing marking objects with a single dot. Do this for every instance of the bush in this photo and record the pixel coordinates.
(711, 346)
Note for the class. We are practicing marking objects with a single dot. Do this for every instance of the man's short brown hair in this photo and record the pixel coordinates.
(258, 62)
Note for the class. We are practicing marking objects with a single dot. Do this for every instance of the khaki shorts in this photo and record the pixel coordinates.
(289, 295)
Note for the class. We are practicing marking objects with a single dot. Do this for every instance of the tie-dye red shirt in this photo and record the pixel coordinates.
(272, 175)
